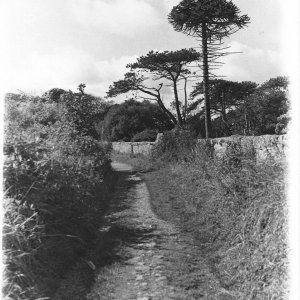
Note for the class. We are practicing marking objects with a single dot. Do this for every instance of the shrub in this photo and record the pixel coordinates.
(147, 135)
(175, 145)
(84, 111)
(282, 124)
(52, 176)
(123, 121)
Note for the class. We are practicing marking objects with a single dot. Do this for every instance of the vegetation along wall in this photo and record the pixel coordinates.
(264, 146)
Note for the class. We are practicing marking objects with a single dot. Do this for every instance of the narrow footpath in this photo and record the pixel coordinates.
(152, 258)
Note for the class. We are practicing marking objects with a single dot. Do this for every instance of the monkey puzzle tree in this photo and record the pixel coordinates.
(170, 66)
(211, 21)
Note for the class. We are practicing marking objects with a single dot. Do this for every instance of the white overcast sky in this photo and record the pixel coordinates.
(61, 43)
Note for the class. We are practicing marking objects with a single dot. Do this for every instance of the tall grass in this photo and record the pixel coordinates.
(237, 211)
(56, 188)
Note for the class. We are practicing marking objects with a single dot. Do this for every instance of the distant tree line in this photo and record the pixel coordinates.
(237, 108)
(243, 108)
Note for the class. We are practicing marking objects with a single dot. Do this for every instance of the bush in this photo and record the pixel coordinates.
(282, 124)
(147, 135)
(123, 121)
(52, 176)
(175, 145)
(84, 111)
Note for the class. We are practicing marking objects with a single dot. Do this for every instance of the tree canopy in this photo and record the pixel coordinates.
(225, 93)
(262, 110)
(53, 95)
(220, 18)
(243, 108)
(84, 110)
(225, 96)
(170, 66)
(128, 120)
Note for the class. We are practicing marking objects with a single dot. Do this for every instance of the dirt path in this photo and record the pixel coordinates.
(152, 258)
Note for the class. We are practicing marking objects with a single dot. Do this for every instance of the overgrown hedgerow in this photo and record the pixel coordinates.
(175, 146)
(237, 211)
(52, 178)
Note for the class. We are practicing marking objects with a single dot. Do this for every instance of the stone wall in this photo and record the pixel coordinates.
(133, 147)
(264, 146)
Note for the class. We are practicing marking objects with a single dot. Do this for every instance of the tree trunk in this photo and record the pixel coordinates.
(160, 104)
(177, 104)
(206, 82)
(185, 100)
(166, 111)
(224, 115)
(246, 130)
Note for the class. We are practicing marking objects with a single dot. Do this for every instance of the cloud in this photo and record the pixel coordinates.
(122, 17)
(168, 4)
(251, 64)
(65, 68)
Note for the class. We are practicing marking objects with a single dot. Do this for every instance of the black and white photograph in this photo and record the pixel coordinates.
(150, 149)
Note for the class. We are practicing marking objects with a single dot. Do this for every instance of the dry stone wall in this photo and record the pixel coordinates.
(264, 146)
(133, 147)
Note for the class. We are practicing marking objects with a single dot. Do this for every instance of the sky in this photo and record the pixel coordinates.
(54, 43)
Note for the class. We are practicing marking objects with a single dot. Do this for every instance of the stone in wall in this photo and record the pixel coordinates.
(274, 146)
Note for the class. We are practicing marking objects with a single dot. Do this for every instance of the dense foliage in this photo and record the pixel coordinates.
(263, 110)
(224, 96)
(55, 180)
(243, 108)
(148, 135)
(124, 121)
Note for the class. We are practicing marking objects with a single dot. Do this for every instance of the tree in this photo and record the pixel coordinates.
(170, 66)
(53, 95)
(264, 110)
(211, 21)
(124, 121)
(81, 88)
(84, 110)
(224, 96)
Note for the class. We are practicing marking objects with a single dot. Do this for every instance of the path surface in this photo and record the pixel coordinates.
(153, 259)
